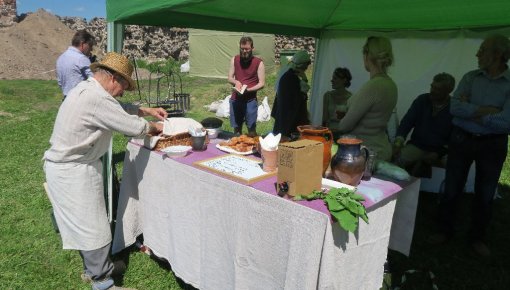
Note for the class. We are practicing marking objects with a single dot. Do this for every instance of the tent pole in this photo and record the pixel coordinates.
(315, 97)
(115, 37)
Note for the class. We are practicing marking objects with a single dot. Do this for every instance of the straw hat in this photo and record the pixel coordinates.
(118, 63)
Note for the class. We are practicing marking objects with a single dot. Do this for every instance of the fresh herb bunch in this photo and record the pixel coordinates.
(343, 203)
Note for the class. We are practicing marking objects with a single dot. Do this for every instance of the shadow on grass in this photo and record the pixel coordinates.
(454, 265)
(161, 262)
(118, 157)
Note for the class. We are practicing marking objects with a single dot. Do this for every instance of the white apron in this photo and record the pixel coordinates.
(76, 194)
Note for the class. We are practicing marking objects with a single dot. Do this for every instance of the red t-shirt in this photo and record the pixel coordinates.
(247, 76)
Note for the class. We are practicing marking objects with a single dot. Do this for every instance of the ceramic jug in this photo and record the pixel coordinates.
(321, 134)
(348, 164)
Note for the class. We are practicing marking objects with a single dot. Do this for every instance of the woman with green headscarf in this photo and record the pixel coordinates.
(290, 106)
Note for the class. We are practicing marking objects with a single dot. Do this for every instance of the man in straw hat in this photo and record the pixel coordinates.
(81, 135)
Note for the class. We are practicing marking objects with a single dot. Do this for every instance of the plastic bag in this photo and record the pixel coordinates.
(185, 67)
(391, 171)
(213, 107)
(264, 111)
(223, 110)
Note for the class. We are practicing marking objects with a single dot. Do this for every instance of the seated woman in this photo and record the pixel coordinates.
(290, 105)
(370, 108)
(335, 101)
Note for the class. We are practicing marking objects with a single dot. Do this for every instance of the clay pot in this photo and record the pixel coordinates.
(269, 160)
(321, 134)
(348, 164)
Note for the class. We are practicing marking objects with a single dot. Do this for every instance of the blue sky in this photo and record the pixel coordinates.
(81, 8)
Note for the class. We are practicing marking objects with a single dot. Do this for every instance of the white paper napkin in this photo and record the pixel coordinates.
(147, 141)
(176, 125)
(270, 142)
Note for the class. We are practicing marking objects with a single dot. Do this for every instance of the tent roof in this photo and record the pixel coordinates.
(310, 18)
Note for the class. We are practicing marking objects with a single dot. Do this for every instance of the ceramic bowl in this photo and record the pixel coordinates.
(176, 151)
(213, 132)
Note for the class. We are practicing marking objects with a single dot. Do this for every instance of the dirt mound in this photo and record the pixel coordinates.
(29, 49)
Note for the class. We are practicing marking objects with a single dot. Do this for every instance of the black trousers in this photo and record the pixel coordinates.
(489, 153)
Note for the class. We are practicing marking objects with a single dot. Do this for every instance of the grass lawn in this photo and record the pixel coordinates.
(31, 255)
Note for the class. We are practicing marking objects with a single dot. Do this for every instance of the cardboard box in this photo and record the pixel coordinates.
(300, 166)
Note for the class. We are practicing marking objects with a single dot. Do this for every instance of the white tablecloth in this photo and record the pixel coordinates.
(219, 234)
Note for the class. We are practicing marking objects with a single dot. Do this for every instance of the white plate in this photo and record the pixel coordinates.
(328, 183)
(176, 151)
(230, 150)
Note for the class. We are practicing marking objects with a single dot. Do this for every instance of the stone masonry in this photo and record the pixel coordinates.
(157, 43)
(148, 42)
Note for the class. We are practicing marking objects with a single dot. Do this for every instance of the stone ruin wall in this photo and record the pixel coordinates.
(157, 43)
(8, 13)
(148, 42)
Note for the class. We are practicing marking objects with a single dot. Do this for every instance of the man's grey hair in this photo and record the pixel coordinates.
(447, 79)
(500, 44)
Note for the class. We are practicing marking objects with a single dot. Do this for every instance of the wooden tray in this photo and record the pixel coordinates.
(244, 169)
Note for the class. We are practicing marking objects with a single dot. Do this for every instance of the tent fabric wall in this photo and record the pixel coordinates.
(211, 51)
(418, 57)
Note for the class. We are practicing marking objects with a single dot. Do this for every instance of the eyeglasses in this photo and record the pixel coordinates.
(123, 82)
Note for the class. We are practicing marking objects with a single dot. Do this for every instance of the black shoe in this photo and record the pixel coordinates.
(119, 268)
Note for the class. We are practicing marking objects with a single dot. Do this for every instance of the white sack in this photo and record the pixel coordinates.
(185, 67)
(213, 107)
(264, 111)
(224, 109)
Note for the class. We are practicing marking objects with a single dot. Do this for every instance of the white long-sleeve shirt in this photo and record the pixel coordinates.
(85, 122)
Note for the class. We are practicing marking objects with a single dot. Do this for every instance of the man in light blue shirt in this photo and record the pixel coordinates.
(481, 117)
(73, 66)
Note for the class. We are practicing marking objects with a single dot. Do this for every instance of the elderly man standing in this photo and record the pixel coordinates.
(73, 66)
(81, 135)
(481, 116)
(245, 70)
(430, 119)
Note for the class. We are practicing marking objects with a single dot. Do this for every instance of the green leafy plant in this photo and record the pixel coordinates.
(344, 204)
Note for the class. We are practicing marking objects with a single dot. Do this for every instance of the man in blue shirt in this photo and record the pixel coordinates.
(73, 66)
(430, 119)
(481, 117)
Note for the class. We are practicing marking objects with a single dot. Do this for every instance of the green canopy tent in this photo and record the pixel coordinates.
(428, 36)
(311, 18)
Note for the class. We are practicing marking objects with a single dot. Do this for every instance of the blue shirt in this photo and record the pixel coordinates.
(431, 132)
(482, 90)
(72, 68)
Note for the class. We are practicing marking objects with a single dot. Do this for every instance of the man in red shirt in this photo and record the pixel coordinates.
(245, 70)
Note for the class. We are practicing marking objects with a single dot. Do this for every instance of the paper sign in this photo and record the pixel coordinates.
(244, 169)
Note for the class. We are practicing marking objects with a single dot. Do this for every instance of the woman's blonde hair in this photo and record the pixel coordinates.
(379, 52)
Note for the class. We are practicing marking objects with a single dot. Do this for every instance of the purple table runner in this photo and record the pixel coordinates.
(375, 191)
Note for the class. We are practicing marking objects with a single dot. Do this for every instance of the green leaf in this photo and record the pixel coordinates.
(346, 220)
(333, 204)
(358, 197)
(298, 197)
(364, 216)
(344, 204)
